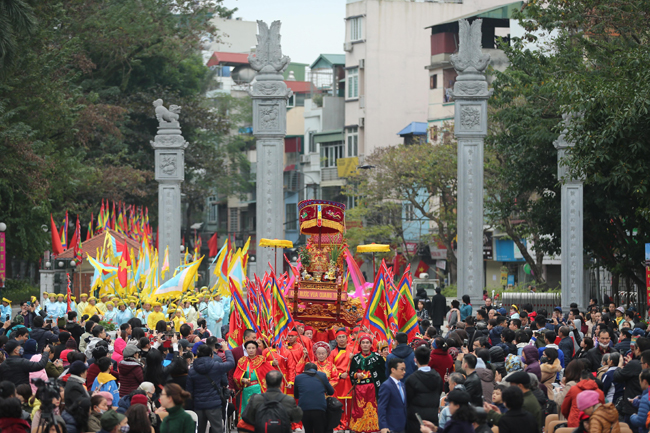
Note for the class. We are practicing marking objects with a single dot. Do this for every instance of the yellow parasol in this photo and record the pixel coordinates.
(276, 243)
(373, 248)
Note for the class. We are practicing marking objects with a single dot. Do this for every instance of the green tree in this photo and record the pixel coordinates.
(596, 65)
(16, 20)
(423, 175)
(76, 118)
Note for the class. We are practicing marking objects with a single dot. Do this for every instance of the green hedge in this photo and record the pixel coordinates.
(19, 290)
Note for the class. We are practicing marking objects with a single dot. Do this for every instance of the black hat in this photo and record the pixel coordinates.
(458, 396)
(519, 377)
(10, 346)
(77, 368)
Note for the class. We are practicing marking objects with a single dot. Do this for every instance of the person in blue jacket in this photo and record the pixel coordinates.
(310, 388)
(639, 419)
(466, 309)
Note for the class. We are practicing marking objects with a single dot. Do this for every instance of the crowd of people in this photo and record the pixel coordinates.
(168, 369)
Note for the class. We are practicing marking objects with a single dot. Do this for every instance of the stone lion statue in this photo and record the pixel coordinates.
(164, 115)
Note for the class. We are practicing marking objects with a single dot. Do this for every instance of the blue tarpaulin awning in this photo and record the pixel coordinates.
(414, 128)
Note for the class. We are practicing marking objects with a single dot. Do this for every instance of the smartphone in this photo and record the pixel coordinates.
(7, 317)
(465, 342)
(417, 415)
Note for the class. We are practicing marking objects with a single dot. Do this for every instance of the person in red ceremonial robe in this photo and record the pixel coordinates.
(322, 351)
(296, 360)
(278, 357)
(306, 341)
(250, 373)
(340, 357)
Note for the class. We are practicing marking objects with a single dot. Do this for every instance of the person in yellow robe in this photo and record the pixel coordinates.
(102, 305)
(156, 316)
(83, 303)
(92, 309)
(178, 319)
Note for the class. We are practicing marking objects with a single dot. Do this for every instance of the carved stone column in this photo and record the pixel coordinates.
(270, 95)
(470, 128)
(169, 146)
(572, 273)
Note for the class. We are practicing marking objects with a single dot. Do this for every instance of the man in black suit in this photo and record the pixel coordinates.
(438, 309)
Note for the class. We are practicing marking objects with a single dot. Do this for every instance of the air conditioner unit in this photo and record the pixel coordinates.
(304, 159)
(362, 101)
(362, 63)
(362, 122)
(347, 47)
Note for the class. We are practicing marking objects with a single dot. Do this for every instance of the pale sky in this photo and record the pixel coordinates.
(309, 27)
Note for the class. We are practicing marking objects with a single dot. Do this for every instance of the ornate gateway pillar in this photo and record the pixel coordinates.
(169, 146)
(572, 273)
(270, 95)
(470, 128)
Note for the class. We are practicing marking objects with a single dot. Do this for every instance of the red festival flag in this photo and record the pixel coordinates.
(57, 248)
(212, 244)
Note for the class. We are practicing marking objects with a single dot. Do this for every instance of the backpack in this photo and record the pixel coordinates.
(272, 416)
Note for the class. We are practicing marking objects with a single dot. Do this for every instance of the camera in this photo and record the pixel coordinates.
(46, 392)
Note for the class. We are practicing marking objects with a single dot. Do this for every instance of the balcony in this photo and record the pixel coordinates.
(330, 177)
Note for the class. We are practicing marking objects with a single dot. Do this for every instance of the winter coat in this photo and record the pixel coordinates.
(118, 347)
(531, 360)
(94, 422)
(74, 390)
(605, 420)
(70, 423)
(623, 346)
(629, 377)
(40, 374)
(454, 426)
(474, 387)
(405, 352)
(203, 392)
(16, 369)
(569, 407)
(549, 373)
(561, 395)
(14, 425)
(487, 382)
(495, 335)
(178, 421)
(611, 389)
(567, 348)
(75, 330)
(131, 375)
(442, 362)
(513, 421)
(498, 360)
(44, 337)
(639, 419)
(423, 390)
(438, 310)
(595, 356)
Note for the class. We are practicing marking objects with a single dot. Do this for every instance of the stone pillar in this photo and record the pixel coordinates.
(470, 128)
(572, 274)
(270, 95)
(169, 146)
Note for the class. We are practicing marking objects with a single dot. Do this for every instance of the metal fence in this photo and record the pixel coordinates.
(547, 300)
